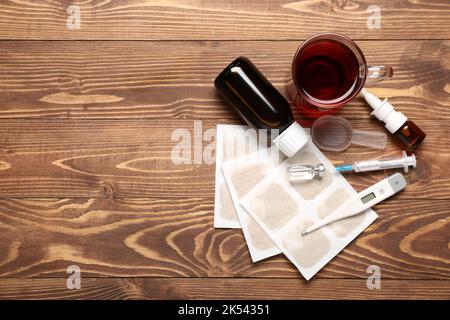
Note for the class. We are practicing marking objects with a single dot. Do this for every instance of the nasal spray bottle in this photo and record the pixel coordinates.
(406, 131)
(260, 104)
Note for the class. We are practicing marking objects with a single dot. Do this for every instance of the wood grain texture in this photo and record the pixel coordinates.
(86, 175)
(115, 158)
(145, 237)
(230, 289)
(223, 20)
(174, 80)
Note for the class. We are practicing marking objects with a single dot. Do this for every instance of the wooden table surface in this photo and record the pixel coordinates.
(86, 117)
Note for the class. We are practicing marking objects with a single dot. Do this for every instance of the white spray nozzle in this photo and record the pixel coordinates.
(384, 111)
(371, 99)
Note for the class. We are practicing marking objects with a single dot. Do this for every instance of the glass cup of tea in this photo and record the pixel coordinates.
(328, 70)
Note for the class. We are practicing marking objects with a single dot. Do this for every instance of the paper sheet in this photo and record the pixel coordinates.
(232, 141)
(283, 210)
(241, 175)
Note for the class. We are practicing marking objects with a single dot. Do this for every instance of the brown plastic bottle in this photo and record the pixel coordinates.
(260, 104)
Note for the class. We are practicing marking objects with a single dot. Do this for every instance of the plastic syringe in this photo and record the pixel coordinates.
(371, 165)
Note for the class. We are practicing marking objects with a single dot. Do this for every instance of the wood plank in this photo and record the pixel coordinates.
(112, 158)
(221, 289)
(175, 238)
(161, 80)
(224, 20)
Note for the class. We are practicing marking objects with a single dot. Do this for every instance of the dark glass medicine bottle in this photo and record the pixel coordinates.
(410, 135)
(260, 104)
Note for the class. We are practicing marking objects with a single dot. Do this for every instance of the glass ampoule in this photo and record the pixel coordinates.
(305, 172)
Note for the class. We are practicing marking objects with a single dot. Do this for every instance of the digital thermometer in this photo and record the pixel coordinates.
(363, 200)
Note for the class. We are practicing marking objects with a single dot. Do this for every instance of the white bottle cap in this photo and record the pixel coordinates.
(385, 112)
(292, 139)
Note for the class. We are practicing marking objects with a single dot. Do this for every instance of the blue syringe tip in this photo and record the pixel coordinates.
(345, 167)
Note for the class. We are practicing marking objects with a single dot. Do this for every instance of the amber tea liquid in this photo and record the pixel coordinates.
(326, 71)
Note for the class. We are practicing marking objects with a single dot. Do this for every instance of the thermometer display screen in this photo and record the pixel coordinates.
(368, 198)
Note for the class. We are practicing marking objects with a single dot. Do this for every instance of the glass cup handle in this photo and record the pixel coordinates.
(378, 73)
